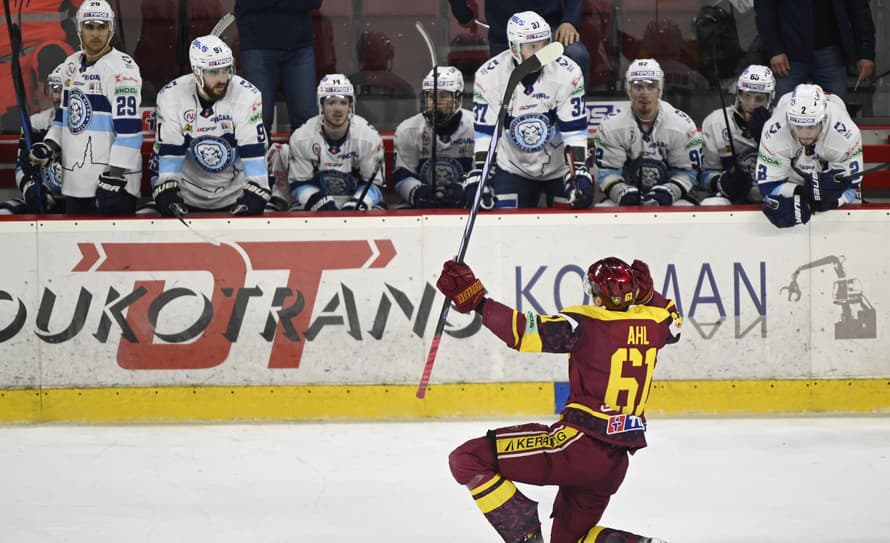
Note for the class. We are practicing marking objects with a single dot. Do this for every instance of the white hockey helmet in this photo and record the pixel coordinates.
(526, 27)
(95, 10)
(210, 53)
(335, 85)
(809, 106)
(645, 69)
(448, 79)
(54, 79)
(757, 78)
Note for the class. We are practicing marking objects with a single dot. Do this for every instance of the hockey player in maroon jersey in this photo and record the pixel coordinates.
(612, 347)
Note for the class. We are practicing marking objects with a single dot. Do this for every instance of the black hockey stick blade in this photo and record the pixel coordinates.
(857, 175)
(544, 56)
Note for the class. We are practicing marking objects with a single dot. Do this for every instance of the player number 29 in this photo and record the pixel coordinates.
(126, 106)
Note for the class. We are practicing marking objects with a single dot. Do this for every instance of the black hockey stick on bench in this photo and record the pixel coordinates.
(541, 58)
(18, 85)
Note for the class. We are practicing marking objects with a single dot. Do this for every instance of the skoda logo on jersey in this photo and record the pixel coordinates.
(336, 183)
(530, 132)
(448, 170)
(212, 153)
(80, 111)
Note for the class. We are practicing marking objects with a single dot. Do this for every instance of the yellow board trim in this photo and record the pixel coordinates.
(470, 400)
(761, 397)
(274, 403)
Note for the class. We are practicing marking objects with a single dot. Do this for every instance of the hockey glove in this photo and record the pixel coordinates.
(252, 201)
(166, 195)
(759, 118)
(624, 194)
(459, 284)
(41, 154)
(579, 188)
(734, 183)
(423, 197)
(644, 282)
(787, 211)
(471, 183)
(112, 198)
(451, 195)
(320, 201)
(660, 195)
(35, 195)
(824, 190)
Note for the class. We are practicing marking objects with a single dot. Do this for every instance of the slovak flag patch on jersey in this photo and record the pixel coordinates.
(624, 423)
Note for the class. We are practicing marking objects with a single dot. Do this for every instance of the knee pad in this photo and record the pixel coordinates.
(473, 458)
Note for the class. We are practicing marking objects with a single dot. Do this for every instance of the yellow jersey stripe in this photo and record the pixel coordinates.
(592, 534)
(649, 312)
(531, 338)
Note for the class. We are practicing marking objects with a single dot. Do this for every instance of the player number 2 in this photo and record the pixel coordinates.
(126, 106)
(635, 393)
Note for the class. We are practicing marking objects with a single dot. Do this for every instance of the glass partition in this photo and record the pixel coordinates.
(376, 44)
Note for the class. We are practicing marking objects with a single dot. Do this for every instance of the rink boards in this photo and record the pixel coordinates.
(313, 317)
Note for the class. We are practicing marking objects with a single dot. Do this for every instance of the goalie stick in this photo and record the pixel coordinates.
(543, 57)
(18, 84)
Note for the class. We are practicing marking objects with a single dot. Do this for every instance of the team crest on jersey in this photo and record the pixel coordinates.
(212, 153)
(448, 170)
(337, 183)
(80, 111)
(530, 132)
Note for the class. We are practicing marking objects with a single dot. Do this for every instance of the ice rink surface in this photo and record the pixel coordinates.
(817, 480)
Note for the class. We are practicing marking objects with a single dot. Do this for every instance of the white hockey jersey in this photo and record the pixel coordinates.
(51, 175)
(673, 142)
(717, 156)
(541, 119)
(211, 151)
(783, 160)
(317, 164)
(99, 124)
(413, 153)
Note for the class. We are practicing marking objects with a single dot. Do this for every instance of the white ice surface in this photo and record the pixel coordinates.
(817, 480)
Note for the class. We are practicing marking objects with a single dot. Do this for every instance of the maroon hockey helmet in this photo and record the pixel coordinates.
(612, 279)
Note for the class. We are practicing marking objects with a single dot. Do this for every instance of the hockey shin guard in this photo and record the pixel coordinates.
(510, 512)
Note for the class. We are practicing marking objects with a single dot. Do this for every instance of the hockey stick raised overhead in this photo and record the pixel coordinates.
(543, 57)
